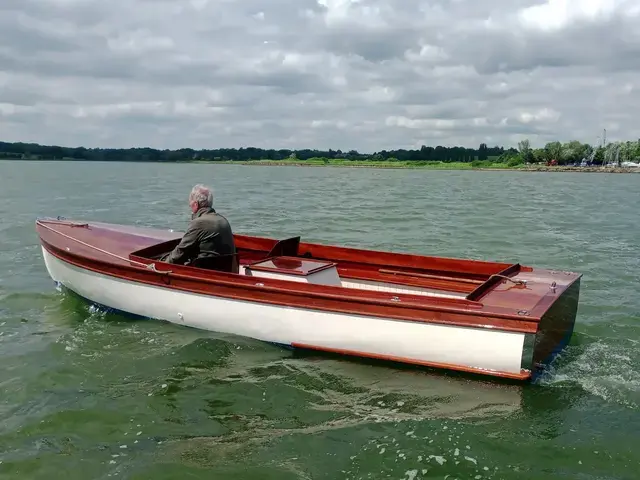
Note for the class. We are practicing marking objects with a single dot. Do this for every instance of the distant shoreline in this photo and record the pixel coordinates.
(416, 166)
(484, 158)
(384, 165)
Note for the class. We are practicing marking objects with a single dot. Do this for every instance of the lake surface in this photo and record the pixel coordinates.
(85, 395)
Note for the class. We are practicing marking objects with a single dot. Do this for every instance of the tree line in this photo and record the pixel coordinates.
(573, 152)
(33, 151)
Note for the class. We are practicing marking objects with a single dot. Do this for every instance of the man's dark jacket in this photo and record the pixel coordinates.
(208, 235)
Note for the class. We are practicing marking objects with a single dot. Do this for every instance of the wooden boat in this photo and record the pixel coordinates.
(501, 319)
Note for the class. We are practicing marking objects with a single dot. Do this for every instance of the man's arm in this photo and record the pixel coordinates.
(181, 252)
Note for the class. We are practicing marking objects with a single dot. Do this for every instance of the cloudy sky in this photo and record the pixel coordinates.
(363, 74)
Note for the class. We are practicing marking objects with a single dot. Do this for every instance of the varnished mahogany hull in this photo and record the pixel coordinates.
(481, 327)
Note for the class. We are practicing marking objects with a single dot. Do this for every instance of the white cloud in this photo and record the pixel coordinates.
(542, 115)
(556, 14)
(342, 74)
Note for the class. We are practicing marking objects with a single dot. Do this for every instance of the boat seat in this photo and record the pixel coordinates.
(221, 263)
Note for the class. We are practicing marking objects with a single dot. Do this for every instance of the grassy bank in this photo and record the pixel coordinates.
(478, 165)
(325, 162)
(356, 164)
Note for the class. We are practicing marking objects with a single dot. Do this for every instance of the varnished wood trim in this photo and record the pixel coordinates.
(522, 376)
(434, 277)
(227, 285)
(274, 285)
(340, 254)
(349, 260)
(556, 325)
(358, 272)
(432, 284)
(483, 289)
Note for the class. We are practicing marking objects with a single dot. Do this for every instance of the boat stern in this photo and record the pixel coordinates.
(555, 329)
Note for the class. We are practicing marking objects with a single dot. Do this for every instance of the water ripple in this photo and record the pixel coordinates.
(95, 395)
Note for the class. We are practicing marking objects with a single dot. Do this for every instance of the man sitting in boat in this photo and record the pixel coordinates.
(208, 235)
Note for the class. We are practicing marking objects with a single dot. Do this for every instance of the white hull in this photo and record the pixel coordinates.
(422, 342)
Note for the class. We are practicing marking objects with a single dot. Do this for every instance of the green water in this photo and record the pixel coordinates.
(84, 395)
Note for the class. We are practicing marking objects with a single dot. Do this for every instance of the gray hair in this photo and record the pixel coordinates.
(202, 195)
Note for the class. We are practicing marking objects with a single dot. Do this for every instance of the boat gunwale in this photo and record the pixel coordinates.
(509, 325)
(456, 306)
(349, 273)
(391, 259)
(340, 254)
(278, 285)
(285, 286)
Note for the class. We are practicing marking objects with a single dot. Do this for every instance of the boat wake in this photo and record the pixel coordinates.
(610, 372)
(337, 398)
